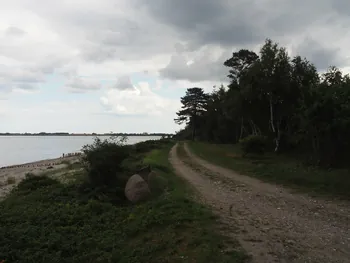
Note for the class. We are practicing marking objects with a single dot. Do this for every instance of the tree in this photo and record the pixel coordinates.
(193, 107)
(283, 99)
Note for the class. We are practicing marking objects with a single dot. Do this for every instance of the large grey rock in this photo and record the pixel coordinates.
(136, 189)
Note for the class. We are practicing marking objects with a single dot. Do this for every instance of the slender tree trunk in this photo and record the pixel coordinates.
(278, 137)
(255, 128)
(193, 132)
(194, 126)
(271, 116)
(252, 127)
(242, 128)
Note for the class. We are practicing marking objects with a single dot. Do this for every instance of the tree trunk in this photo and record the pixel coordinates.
(193, 132)
(252, 126)
(271, 116)
(278, 138)
(242, 128)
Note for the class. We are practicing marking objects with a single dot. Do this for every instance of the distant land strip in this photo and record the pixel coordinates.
(84, 134)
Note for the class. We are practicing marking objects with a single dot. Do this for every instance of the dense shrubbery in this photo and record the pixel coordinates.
(146, 146)
(255, 144)
(103, 160)
(109, 162)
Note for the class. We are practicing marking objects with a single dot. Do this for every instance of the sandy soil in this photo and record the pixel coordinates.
(11, 176)
(271, 223)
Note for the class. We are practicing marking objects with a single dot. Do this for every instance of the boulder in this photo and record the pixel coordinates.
(136, 189)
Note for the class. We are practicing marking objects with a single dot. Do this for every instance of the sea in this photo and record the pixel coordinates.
(24, 149)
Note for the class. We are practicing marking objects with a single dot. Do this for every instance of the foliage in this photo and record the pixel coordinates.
(147, 146)
(283, 98)
(255, 144)
(193, 107)
(44, 220)
(103, 160)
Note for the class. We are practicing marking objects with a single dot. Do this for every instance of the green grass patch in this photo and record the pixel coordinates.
(44, 220)
(277, 168)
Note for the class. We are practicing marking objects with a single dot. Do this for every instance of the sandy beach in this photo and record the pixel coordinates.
(10, 176)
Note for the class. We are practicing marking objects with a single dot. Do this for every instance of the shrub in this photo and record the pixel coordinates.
(11, 180)
(103, 160)
(31, 183)
(254, 144)
(147, 146)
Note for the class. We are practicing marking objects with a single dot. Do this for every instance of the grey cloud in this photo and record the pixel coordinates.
(123, 83)
(209, 22)
(81, 85)
(203, 68)
(245, 24)
(341, 6)
(107, 33)
(24, 78)
(26, 86)
(14, 31)
(321, 56)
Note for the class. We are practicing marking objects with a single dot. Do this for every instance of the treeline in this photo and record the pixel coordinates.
(284, 99)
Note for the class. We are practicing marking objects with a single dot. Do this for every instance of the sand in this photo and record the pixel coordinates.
(10, 176)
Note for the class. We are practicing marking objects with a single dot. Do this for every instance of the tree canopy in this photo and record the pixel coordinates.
(285, 99)
(193, 108)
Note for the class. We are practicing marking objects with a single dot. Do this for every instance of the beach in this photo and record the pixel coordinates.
(10, 176)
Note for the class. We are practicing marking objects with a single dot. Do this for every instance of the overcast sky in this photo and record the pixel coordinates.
(122, 65)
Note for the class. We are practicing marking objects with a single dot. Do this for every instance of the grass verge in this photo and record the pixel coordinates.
(45, 220)
(277, 168)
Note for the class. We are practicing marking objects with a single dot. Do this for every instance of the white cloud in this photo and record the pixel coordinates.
(140, 100)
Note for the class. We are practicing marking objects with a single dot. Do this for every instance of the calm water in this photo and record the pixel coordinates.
(23, 149)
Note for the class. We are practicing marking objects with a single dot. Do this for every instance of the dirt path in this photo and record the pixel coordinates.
(273, 224)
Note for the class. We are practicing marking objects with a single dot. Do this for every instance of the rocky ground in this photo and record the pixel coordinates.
(271, 223)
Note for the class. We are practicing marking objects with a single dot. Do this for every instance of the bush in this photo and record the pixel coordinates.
(11, 180)
(254, 144)
(103, 160)
(33, 182)
(147, 146)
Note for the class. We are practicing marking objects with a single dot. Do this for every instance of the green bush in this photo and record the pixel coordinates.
(147, 146)
(34, 182)
(103, 161)
(254, 144)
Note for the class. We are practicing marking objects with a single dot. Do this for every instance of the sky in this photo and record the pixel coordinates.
(122, 65)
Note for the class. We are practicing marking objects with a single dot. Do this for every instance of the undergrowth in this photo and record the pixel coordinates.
(277, 168)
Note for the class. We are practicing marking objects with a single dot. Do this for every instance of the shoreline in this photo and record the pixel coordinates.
(10, 176)
(53, 160)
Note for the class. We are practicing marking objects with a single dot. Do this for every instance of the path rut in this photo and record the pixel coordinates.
(272, 224)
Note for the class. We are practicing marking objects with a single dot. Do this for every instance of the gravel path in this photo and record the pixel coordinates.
(272, 224)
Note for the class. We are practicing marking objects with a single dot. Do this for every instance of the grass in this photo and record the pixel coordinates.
(278, 169)
(44, 220)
